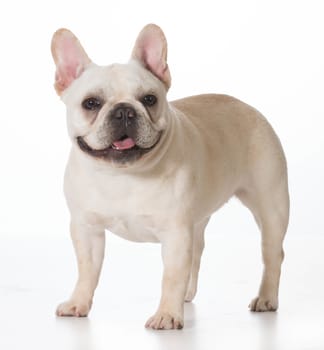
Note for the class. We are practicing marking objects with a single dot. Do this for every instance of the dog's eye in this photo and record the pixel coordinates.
(91, 104)
(149, 100)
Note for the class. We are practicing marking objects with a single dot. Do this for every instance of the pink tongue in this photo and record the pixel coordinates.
(124, 144)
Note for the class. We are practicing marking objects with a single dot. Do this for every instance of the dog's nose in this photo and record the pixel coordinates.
(124, 113)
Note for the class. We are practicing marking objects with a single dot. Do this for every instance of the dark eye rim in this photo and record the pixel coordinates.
(91, 104)
(149, 100)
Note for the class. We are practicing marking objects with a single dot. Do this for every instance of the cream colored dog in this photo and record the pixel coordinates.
(153, 171)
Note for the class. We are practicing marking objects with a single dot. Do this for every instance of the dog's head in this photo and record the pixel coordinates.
(116, 113)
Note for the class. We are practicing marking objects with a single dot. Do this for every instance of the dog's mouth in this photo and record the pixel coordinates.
(122, 150)
(123, 144)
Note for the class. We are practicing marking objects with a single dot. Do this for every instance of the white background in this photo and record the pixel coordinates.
(266, 53)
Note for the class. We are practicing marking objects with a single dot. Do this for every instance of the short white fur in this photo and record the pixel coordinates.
(212, 147)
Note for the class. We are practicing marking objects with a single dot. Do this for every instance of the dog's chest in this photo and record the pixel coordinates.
(134, 210)
(135, 216)
(137, 208)
(137, 228)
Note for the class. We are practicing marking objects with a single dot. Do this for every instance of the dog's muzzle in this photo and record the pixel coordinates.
(123, 120)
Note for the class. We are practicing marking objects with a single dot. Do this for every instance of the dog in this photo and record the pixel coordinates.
(150, 170)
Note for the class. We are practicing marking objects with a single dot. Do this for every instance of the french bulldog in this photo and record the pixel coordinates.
(150, 170)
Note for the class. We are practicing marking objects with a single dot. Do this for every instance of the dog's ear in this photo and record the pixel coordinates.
(151, 50)
(70, 59)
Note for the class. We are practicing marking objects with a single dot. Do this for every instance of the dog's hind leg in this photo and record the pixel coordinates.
(270, 208)
(198, 247)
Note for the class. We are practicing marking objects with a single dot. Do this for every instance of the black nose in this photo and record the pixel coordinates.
(124, 112)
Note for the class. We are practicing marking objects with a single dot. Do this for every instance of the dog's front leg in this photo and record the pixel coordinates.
(177, 261)
(89, 245)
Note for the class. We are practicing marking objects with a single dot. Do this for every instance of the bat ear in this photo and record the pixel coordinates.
(151, 51)
(70, 59)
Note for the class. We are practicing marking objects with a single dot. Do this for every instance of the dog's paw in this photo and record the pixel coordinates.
(260, 304)
(164, 320)
(73, 308)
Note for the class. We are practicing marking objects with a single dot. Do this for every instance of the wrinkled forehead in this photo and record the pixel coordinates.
(114, 81)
